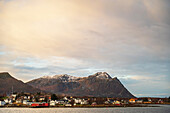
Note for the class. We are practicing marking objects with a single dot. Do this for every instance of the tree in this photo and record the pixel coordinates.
(46, 99)
(72, 102)
(54, 97)
(36, 99)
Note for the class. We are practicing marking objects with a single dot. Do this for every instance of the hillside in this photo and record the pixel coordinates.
(100, 84)
(7, 82)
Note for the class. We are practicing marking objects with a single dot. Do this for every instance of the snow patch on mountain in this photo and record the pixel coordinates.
(101, 75)
(63, 78)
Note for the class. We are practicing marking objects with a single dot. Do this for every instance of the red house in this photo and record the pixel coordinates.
(35, 104)
(40, 104)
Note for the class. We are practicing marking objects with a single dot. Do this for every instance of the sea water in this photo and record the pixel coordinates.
(161, 109)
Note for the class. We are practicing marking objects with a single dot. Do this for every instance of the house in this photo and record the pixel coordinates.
(29, 97)
(18, 101)
(42, 98)
(68, 105)
(13, 96)
(29, 103)
(147, 101)
(45, 104)
(106, 102)
(77, 101)
(25, 97)
(160, 101)
(65, 98)
(2, 103)
(52, 103)
(132, 100)
(7, 100)
(94, 103)
(116, 102)
(60, 102)
(25, 102)
(38, 104)
(124, 101)
(140, 101)
(83, 102)
(35, 104)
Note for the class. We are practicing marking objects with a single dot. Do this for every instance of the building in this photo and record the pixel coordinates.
(25, 102)
(160, 101)
(2, 103)
(77, 101)
(68, 105)
(84, 102)
(18, 101)
(147, 101)
(52, 103)
(116, 102)
(61, 102)
(132, 100)
(140, 101)
(94, 103)
(38, 104)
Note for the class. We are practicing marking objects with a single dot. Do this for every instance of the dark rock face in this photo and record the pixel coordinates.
(98, 85)
(7, 82)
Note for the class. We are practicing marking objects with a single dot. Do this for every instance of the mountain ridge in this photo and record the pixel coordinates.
(100, 84)
(7, 82)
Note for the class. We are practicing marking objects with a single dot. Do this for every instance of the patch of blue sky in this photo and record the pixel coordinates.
(2, 53)
(30, 62)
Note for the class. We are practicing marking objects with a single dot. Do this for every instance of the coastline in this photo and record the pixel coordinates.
(89, 106)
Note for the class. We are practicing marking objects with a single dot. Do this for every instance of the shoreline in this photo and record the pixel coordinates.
(96, 106)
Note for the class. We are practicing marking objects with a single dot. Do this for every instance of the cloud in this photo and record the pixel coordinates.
(81, 37)
(63, 28)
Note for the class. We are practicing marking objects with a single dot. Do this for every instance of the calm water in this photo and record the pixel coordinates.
(162, 109)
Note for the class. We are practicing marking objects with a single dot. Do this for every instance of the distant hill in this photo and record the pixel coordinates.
(100, 84)
(7, 82)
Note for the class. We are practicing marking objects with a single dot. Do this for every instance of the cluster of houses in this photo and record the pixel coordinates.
(35, 100)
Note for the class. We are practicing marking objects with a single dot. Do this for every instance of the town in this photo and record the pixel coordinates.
(53, 100)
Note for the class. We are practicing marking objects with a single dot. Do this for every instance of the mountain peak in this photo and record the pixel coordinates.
(7, 82)
(5, 75)
(101, 75)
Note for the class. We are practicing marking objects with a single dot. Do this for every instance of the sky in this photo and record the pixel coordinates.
(129, 39)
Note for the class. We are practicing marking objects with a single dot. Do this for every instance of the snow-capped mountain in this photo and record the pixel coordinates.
(101, 84)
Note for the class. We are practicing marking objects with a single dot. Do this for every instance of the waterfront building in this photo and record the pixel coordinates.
(2, 103)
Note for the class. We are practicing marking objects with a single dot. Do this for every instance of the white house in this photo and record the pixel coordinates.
(25, 102)
(6, 100)
(68, 105)
(18, 101)
(84, 102)
(9, 101)
(13, 96)
(25, 97)
(77, 101)
(60, 102)
(29, 97)
(52, 103)
(65, 98)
